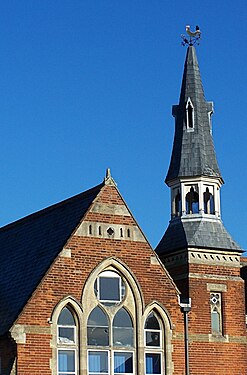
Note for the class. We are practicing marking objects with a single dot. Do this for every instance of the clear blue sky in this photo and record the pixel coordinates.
(89, 84)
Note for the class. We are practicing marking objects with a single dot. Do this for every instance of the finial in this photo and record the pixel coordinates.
(194, 36)
(108, 173)
(108, 178)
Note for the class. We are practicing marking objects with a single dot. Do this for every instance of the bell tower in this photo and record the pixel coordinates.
(197, 250)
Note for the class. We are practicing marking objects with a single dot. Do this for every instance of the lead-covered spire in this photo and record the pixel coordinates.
(193, 151)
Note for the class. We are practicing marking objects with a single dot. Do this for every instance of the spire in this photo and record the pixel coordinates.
(194, 177)
(193, 149)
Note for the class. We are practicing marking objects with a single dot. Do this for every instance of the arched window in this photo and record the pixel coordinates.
(216, 313)
(123, 334)
(208, 202)
(67, 343)
(110, 333)
(190, 114)
(153, 345)
(178, 204)
(98, 328)
(192, 202)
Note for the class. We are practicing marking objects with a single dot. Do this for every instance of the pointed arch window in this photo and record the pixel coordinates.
(208, 202)
(189, 114)
(98, 328)
(67, 343)
(123, 334)
(178, 204)
(216, 313)
(110, 331)
(153, 345)
(192, 202)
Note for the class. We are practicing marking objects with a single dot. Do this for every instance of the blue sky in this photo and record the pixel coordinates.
(89, 84)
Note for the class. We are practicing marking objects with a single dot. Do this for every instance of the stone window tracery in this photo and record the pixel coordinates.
(110, 329)
(216, 313)
(111, 337)
(109, 288)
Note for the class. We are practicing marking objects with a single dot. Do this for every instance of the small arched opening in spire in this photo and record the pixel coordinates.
(189, 114)
(178, 204)
(208, 200)
(192, 202)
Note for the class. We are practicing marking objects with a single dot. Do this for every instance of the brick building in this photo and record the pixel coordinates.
(83, 293)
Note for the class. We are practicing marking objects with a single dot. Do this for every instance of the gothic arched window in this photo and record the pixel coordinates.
(153, 345)
(123, 334)
(107, 332)
(216, 313)
(190, 114)
(67, 343)
(178, 204)
(208, 202)
(110, 333)
(98, 328)
(192, 202)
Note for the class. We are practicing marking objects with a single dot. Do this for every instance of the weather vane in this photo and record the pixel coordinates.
(194, 37)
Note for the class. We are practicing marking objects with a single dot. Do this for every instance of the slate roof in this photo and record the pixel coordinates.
(193, 152)
(28, 248)
(199, 233)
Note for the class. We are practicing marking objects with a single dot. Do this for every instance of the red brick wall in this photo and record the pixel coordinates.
(63, 279)
(226, 356)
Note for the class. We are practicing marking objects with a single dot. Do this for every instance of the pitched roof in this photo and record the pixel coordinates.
(193, 151)
(28, 248)
(200, 233)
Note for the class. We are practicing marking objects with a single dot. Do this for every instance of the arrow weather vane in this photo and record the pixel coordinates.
(194, 37)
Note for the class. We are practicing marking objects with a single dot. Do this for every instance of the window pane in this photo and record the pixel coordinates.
(153, 363)
(152, 338)
(152, 322)
(98, 362)
(97, 318)
(109, 288)
(123, 363)
(98, 330)
(122, 319)
(66, 335)
(66, 318)
(215, 316)
(123, 337)
(122, 329)
(98, 336)
(66, 360)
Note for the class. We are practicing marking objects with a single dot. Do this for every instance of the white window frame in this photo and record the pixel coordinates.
(67, 372)
(161, 361)
(160, 334)
(68, 346)
(66, 343)
(110, 275)
(108, 361)
(113, 364)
